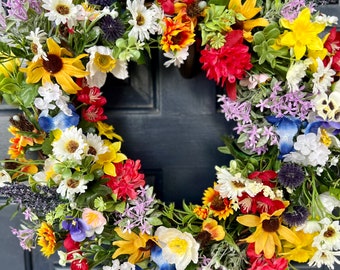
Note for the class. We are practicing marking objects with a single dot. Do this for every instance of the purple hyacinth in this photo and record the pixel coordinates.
(77, 228)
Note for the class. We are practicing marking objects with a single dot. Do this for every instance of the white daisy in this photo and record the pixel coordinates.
(177, 58)
(70, 146)
(323, 77)
(37, 37)
(144, 21)
(101, 62)
(61, 12)
(95, 145)
(324, 257)
(329, 236)
(68, 188)
(228, 185)
(4, 178)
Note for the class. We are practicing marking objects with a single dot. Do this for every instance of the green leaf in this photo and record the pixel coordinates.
(154, 221)
(120, 207)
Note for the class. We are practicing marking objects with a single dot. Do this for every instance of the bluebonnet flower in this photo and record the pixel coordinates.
(77, 228)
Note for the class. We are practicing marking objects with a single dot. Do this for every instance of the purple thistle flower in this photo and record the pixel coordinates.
(295, 216)
(291, 175)
(112, 28)
(77, 228)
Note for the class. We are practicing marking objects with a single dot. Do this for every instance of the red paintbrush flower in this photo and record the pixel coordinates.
(93, 114)
(228, 63)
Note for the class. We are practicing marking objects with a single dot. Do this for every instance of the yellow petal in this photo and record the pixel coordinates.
(249, 220)
(288, 235)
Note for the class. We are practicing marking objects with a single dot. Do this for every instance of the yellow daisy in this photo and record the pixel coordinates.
(137, 246)
(58, 67)
(268, 233)
(220, 207)
(46, 239)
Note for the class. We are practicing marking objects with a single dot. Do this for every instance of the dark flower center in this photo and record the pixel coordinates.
(63, 9)
(92, 151)
(148, 245)
(72, 146)
(271, 225)
(54, 63)
(72, 183)
(217, 203)
(140, 20)
(329, 233)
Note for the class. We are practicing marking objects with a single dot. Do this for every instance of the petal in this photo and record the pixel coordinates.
(249, 220)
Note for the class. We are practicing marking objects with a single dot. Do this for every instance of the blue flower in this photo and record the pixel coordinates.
(286, 128)
(77, 228)
(60, 121)
(157, 257)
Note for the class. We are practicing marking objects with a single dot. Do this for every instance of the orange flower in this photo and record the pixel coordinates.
(220, 207)
(178, 32)
(201, 212)
(46, 239)
(216, 231)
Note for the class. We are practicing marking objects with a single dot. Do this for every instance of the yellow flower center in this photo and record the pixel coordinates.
(105, 63)
(92, 218)
(62, 9)
(53, 64)
(72, 146)
(178, 246)
(325, 139)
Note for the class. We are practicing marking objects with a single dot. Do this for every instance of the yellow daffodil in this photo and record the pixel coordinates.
(46, 239)
(137, 246)
(248, 10)
(106, 161)
(107, 131)
(58, 67)
(302, 251)
(269, 232)
(303, 34)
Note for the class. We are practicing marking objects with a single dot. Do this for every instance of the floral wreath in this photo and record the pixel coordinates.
(272, 206)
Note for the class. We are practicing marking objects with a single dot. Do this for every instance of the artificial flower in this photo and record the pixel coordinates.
(269, 231)
(303, 34)
(177, 247)
(136, 246)
(95, 220)
(77, 228)
(46, 239)
(57, 66)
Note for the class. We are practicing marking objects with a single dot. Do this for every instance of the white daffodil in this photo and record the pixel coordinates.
(102, 62)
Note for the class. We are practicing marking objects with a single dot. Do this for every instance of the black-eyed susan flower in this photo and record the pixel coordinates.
(59, 66)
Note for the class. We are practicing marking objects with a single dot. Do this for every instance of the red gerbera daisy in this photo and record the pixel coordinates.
(228, 63)
(127, 180)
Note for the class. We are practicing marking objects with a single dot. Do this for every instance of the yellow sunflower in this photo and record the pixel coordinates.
(46, 239)
(59, 67)
(220, 207)
(248, 10)
(269, 232)
(137, 246)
